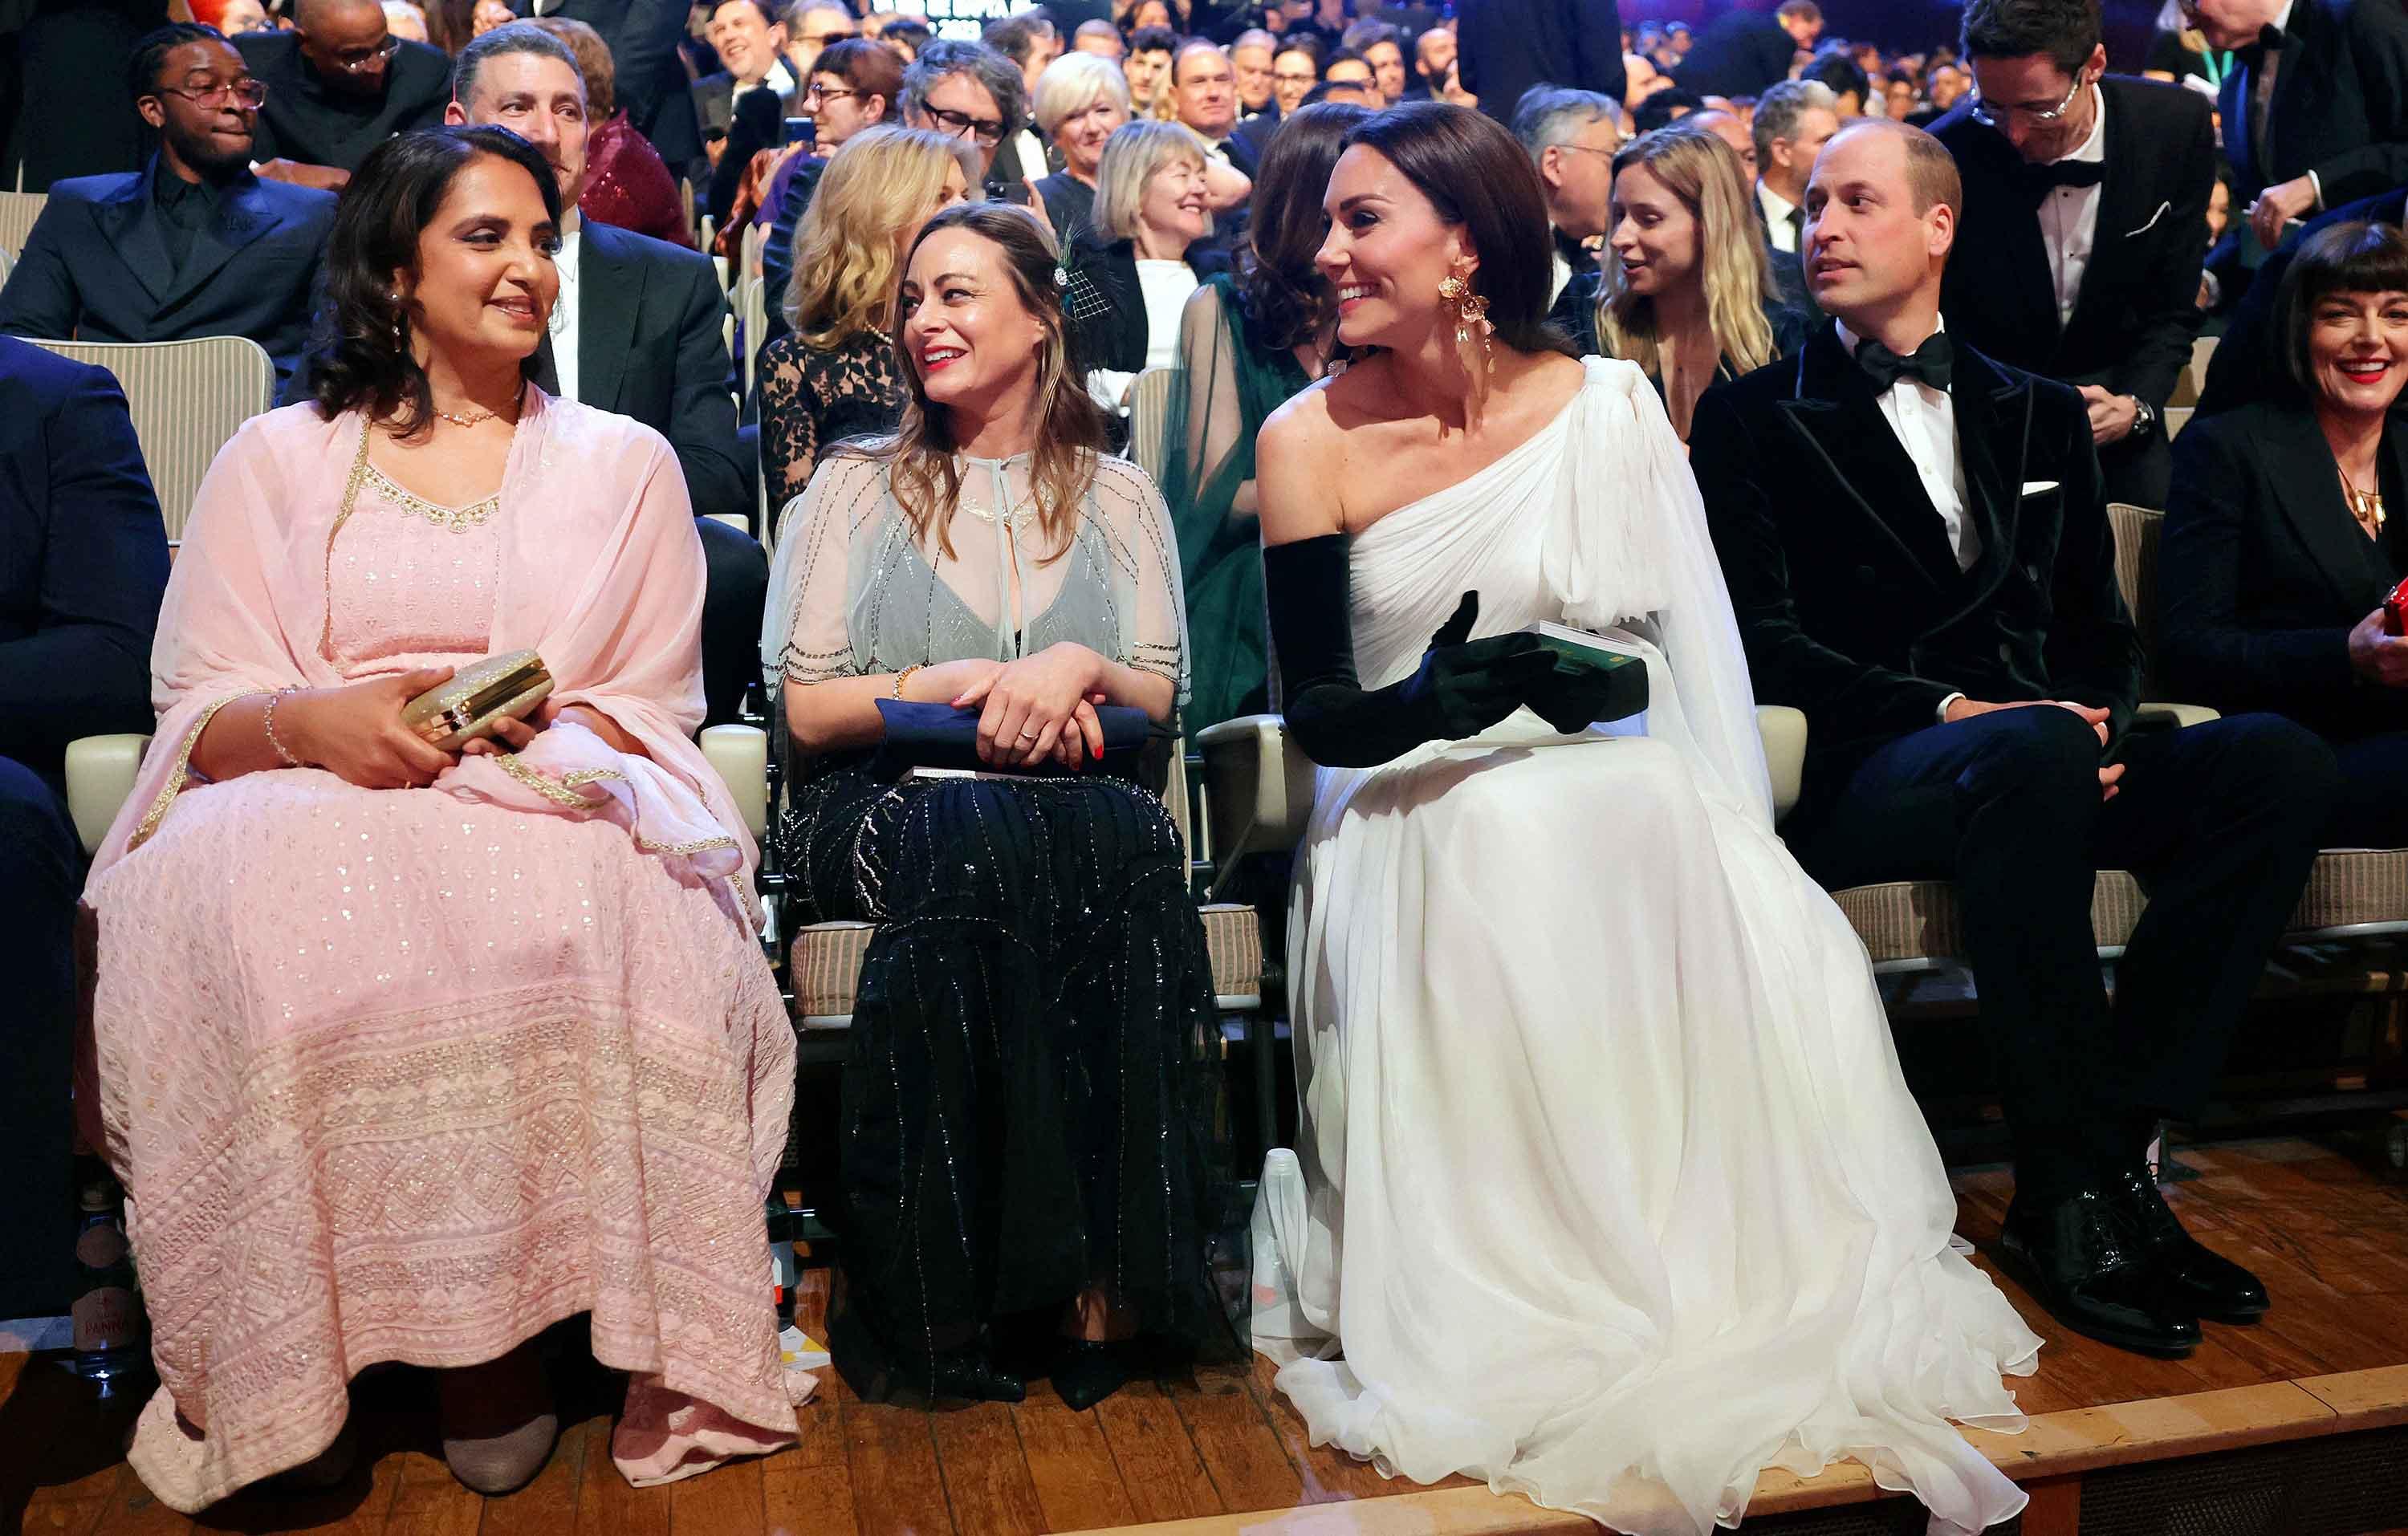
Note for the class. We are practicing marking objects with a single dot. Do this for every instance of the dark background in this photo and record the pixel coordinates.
(1906, 26)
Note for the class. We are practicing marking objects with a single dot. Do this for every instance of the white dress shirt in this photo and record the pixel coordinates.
(563, 309)
(779, 78)
(2069, 216)
(1777, 213)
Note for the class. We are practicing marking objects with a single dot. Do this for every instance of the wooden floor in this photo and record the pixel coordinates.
(2329, 1235)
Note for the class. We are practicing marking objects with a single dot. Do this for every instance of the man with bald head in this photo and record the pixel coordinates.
(1917, 551)
(338, 85)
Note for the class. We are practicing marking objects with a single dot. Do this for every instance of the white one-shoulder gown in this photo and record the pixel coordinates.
(1615, 1196)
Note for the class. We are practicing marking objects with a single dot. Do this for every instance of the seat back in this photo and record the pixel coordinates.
(2137, 530)
(17, 212)
(1149, 417)
(6, 262)
(187, 398)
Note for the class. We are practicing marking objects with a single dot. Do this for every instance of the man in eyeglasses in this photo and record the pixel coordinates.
(2086, 217)
(192, 245)
(338, 85)
(969, 91)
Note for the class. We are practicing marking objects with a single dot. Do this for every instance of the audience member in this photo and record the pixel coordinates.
(834, 374)
(1570, 137)
(338, 85)
(2339, 132)
(1081, 102)
(637, 330)
(811, 28)
(1151, 50)
(1355, 72)
(488, 14)
(194, 244)
(751, 44)
(653, 83)
(971, 92)
(1665, 108)
(1848, 85)
(1350, 93)
(2250, 357)
(1250, 57)
(1899, 99)
(1433, 62)
(908, 579)
(80, 585)
(2278, 551)
(1726, 126)
(555, 938)
(1505, 47)
(1153, 202)
(1794, 120)
(627, 184)
(2079, 252)
(405, 21)
(1383, 46)
(1248, 341)
(1027, 39)
(1687, 291)
(906, 37)
(1943, 85)
(856, 84)
(1969, 673)
(240, 16)
(1293, 71)
(1744, 54)
(1100, 39)
(1204, 98)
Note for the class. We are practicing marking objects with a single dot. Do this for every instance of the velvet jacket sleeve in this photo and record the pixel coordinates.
(1741, 485)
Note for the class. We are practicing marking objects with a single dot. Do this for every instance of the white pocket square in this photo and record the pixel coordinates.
(2163, 209)
(2037, 487)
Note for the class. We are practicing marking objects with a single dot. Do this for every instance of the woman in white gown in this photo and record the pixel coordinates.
(1615, 1196)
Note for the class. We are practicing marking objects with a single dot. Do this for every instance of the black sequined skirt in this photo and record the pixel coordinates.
(1033, 1061)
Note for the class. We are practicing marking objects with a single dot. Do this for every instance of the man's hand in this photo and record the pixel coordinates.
(1966, 709)
(2110, 415)
(2278, 205)
(294, 173)
(2378, 655)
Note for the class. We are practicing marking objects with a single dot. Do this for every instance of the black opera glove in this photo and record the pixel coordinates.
(1462, 687)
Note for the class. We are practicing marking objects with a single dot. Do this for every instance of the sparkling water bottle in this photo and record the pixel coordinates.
(112, 1332)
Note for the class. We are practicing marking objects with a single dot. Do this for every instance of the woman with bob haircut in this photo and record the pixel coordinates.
(1027, 1104)
(835, 374)
(1156, 192)
(405, 1053)
(1611, 1193)
(1080, 100)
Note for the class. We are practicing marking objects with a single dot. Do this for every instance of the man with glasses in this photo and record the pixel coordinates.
(194, 244)
(338, 85)
(1571, 137)
(812, 25)
(969, 91)
(2086, 218)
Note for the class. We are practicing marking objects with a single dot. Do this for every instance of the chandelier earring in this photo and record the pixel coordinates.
(1471, 313)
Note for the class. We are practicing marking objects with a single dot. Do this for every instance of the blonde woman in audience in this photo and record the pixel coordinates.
(1156, 193)
(1080, 102)
(405, 1052)
(1686, 290)
(1027, 1105)
(835, 374)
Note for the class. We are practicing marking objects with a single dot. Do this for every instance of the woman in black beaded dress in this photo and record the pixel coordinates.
(833, 375)
(1026, 1103)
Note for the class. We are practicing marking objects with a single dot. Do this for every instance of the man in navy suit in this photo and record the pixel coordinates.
(194, 244)
(83, 561)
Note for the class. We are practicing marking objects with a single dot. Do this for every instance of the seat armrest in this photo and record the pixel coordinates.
(101, 770)
(1257, 788)
(1783, 730)
(2180, 714)
(739, 754)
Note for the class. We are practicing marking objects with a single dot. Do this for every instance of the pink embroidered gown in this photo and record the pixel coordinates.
(411, 1074)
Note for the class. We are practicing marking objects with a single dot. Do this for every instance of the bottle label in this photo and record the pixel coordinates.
(99, 1245)
(104, 1318)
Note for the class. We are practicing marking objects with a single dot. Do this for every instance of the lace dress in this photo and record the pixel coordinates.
(1027, 1099)
(811, 397)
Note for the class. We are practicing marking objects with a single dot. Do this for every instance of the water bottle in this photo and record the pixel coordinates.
(112, 1332)
(785, 1272)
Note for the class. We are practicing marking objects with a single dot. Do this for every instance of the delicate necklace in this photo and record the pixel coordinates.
(469, 417)
(2365, 506)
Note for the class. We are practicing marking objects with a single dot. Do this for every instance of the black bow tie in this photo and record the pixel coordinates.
(1932, 363)
(2039, 181)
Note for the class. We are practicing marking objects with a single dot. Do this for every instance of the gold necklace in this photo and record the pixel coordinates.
(2365, 506)
(469, 417)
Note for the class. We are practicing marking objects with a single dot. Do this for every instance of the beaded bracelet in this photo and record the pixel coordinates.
(269, 720)
(902, 678)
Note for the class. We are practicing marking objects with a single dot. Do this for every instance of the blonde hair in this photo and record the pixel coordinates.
(1132, 155)
(1073, 84)
(846, 265)
(1704, 173)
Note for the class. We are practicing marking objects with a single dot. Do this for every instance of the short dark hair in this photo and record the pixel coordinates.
(1475, 175)
(509, 37)
(150, 51)
(2355, 257)
(769, 14)
(1015, 36)
(912, 34)
(1841, 73)
(1657, 110)
(1151, 39)
(1306, 43)
(1801, 10)
(994, 72)
(1347, 55)
(2068, 31)
(360, 354)
(868, 66)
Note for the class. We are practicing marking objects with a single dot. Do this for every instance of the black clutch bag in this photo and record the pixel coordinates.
(940, 739)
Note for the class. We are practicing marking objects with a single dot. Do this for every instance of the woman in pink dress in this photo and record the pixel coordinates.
(405, 1055)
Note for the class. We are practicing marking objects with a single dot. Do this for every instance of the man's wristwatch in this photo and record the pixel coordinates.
(2144, 417)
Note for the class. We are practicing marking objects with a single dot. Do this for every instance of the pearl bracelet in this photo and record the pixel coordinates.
(284, 752)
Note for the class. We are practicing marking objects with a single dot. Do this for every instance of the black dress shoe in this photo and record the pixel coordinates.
(2083, 1259)
(968, 1373)
(2214, 1288)
(1087, 1371)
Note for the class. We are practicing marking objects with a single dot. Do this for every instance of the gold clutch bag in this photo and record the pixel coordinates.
(461, 710)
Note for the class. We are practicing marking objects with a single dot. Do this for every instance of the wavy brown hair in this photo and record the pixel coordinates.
(1072, 432)
(1287, 299)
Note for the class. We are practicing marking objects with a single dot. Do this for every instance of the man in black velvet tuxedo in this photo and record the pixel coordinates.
(83, 561)
(637, 330)
(1918, 556)
(2086, 218)
(194, 244)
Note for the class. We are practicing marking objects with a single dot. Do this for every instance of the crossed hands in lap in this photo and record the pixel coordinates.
(1966, 709)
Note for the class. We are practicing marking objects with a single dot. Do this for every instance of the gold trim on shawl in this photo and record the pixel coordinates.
(351, 501)
(563, 791)
(180, 773)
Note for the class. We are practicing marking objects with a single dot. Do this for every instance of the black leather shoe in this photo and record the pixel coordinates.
(2083, 1258)
(1085, 1372)
(2214, 1288)
(968, 1373)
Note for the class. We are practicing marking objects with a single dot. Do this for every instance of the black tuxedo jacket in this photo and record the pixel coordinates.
(304, 121)
(95, 267)
(83, 559)
(652, 83)
(1849, 598)
(2263, 571)
(2246, 364)
(2339, 107)
(649, 345)
(1505, 47)
(1738, 54)
(2138, 309)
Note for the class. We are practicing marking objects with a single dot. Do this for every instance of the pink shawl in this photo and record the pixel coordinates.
(601, 573)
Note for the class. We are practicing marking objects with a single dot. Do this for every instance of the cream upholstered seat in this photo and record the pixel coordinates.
(187, 398)
(17, 212)
(1149, 417)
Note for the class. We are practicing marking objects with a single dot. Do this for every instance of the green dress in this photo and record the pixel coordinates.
(1226, 384)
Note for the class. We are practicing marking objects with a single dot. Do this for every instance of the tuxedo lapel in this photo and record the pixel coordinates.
(2298, 465)
(609, 286)
(1838, 422)
(129, 227)
(2128, 201)
(243, 217)
(1993, 436)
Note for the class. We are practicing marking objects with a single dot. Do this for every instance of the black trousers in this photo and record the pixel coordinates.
(735, 587)
(41, 872)
(2371, 809)
(2220, 822)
